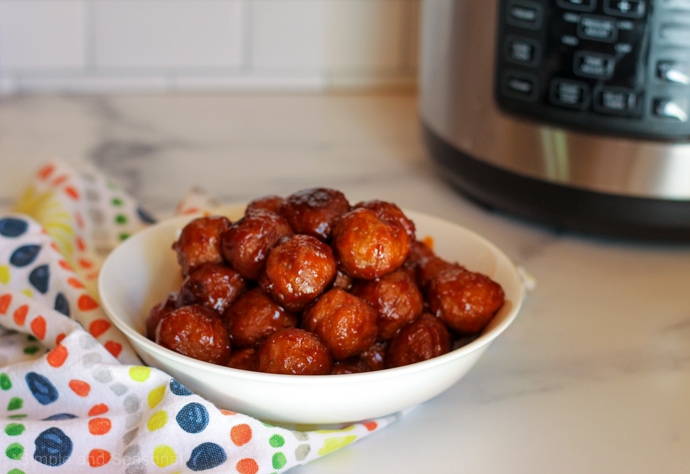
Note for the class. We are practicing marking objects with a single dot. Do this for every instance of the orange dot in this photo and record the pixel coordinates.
(38, 327)
(115, 348)
(81, 246)
(59, 180)
(79, 387)
(85, 263)
(370, 425)
(54, 246)
(72, 192)
(98, 327)
(79, 219)
(57, 356)
(64, 265)
(99, 426)
(20, 314)
(98, 409)
(75, 283)
(45, 172)
(241, 434)
(86, 303)
(247, 466)
(98, 457)
(59, 338)
(225, 412)
(5, 301)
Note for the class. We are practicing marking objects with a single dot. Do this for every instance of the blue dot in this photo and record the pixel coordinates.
(61, 304)
(25, 255)
(41, 388)
(145, 216)
(40, 278)
(206, 456)
(53, 447)
(193, 418)
(178, 389)
(12, 227)
(60, 416)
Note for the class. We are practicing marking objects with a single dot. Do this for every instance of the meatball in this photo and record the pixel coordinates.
(254, 316)
(199, 242)
(375, 356)
(270, 203)
(297, 271)
(245, 244)
(389, 212)
(312, 211)
(214, 284)
(158, 312)
(346, 323)
(368, 247)
(294, 351)
(342, 280)
(464, 300)
(396, 299)
(349, 366)
(424, 338)
(196, 331)
(244, 359)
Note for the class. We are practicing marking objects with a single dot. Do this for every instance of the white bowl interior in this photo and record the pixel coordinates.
(141, 271)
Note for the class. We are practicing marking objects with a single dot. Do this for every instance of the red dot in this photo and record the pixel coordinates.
(98, 457)
(98, 409)
(115, 348)
(86, 303)
(247, 466)
(98, 327)
(38, 327)
(20, 314)
(57, 356)
(45, 172)
(99, 426)
(241, 434)
(79, 387)
(5, 301)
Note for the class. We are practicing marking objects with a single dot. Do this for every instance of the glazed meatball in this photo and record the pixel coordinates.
(424, 338)
(342, 280)
(420, 253)
(196, 331)
(368, 247)
(158, 312)
(270, 203)
(199, 242)
(389, 212)
(214, 285)
(349, 366)
(245, 244)
(297, 271)
(375, 356)
(346, 323)
(396, 299)
(312, 211)
(464, 300)
(244, 359)
(294, 351)
(255, 316)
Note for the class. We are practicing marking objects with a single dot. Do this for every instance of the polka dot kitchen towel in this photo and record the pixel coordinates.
(74, 396)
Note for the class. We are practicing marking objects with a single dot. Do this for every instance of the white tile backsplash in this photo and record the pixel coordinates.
(188, 45)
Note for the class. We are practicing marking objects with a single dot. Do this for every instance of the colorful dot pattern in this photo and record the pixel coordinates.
(73, 395)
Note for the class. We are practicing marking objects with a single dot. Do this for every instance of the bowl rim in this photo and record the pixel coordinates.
(479, 343)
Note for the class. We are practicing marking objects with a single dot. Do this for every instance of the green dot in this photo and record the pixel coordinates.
(14, 429)
(14, 451)
(279, 460)
(276, 441)
(18, 416)
(116, 201)
(121, 219)
(5, 382)
(124, 236)
(15, 403)
(16, 471)
(30, 337)
(31, 350)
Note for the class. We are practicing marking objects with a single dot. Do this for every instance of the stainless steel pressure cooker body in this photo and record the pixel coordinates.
(574, 113)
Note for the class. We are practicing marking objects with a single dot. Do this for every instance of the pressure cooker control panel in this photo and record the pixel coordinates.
(617, 67)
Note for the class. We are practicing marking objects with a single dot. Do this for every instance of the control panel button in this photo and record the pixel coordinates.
(595, 65)
(613, 100)
(579, 5)
(626, 8)
(520, 85)
(675, 33)
(568, 93)
(670, 109)
(522, 50)
(675, 72)
(525, 14)
(598, 28)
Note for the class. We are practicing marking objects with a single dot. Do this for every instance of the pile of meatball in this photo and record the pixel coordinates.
(309, 284)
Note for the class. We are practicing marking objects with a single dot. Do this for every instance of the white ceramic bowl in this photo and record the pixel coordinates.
(141, 271)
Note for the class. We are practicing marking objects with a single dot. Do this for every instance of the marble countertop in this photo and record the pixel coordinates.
(594, 375)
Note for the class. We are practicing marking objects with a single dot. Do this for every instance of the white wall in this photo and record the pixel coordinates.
(205, 45)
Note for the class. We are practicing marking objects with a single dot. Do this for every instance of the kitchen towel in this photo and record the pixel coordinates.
(74, 396)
